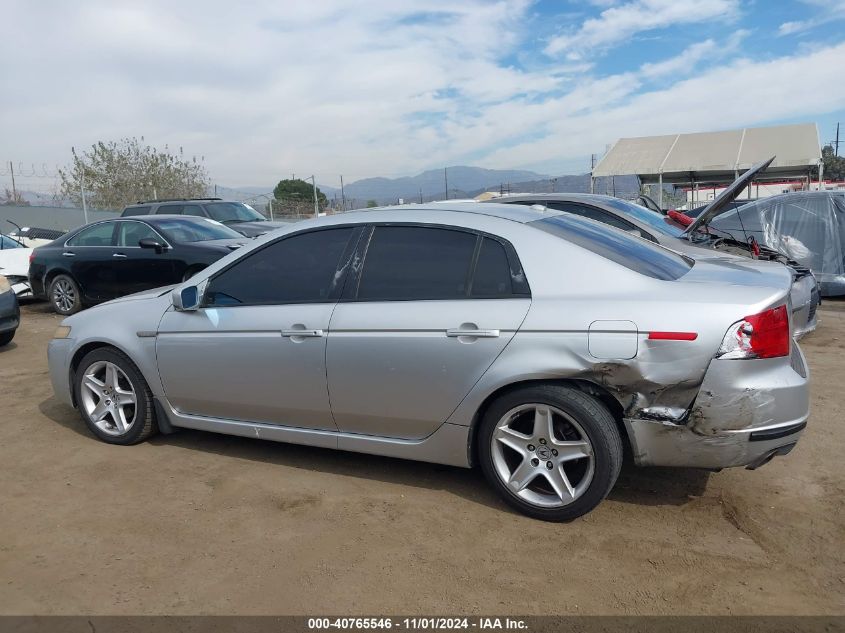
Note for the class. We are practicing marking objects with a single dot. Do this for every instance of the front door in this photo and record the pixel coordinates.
(255, 351)
(430, 312)
(137, 268)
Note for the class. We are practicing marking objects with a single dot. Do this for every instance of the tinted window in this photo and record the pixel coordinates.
(195, 230)
(594, 214)
(193, 209)
(130, 233)
(405, 263)
(97, 235)
(233, 212)
(492, 276)
(299, 269)
(170, 209)
(654, 219)
(137, 211)
(618, 246)
(8, 242)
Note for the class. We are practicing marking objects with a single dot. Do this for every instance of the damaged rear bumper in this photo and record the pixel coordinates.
(746, 412)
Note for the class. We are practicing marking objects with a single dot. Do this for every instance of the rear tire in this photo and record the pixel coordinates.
(549, 451)
(65, 296)
(6, 337)
(114, 399)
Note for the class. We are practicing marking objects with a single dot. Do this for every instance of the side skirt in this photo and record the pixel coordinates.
(447, 445)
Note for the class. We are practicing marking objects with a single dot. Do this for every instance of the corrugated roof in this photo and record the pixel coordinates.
(714, 155)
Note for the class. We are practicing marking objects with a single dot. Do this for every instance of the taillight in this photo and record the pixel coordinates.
(764, 335)
(31, 256)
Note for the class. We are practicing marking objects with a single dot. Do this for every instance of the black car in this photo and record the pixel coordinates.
(236, 215)
(112, 258)
(10, 314)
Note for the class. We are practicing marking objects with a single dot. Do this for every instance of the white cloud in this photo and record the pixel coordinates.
(828, 11)
(686, 61)
(385, 87)
(619, 22)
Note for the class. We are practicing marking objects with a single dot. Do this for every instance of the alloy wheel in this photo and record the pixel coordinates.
(542, 455)
(108, 397)
(64, 295)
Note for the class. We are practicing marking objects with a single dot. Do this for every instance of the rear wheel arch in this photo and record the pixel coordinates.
(585, 386)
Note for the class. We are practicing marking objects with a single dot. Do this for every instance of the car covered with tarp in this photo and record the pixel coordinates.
(806, 226)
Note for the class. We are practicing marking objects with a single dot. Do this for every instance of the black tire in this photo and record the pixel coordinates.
(6, 337)
(62, 287)
(597, 424)
(143, 423)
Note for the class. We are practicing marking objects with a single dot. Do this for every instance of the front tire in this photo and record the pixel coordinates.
(113, 398)
(6, 338)
(65, 296)
(549, 451)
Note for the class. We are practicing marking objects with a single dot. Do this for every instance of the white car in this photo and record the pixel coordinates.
(14, 265)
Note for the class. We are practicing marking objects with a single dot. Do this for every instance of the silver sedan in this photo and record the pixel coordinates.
(535, 344)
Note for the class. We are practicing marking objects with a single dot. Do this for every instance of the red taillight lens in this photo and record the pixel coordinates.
(31, 256)
(764, 335)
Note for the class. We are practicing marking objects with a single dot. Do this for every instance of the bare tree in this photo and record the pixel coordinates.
(116, 173)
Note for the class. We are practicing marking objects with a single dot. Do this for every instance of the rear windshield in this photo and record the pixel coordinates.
(618, 246)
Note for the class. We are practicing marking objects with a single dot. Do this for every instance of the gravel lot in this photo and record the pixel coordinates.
(196, 523)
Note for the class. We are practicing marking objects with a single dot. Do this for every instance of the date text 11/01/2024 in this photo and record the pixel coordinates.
(418, 623)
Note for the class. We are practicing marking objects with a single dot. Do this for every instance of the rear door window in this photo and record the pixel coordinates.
(405, 263)
(193, 209)
(98, 235)
(492, 276)
(169, 209)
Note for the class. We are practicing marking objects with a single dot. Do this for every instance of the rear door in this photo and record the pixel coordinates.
(425, 316)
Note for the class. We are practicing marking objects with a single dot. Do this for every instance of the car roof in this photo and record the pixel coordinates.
(551, 197)
(516, 213)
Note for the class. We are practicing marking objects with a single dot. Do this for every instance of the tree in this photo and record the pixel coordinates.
(298, 190)
(15, 198)
(834, 166)
(117, 173)
(371, 204)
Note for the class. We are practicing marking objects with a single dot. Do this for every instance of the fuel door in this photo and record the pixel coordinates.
(612, 340)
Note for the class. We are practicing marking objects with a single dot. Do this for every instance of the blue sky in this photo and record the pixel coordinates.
(263, 89)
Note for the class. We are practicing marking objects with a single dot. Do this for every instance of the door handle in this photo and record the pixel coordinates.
(119, 255)
(303, 333)
(69, 254)
(473, 333)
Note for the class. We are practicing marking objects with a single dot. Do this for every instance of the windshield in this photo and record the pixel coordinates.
(233, 212)
(8, 242)
(653, 219)
(183, 230)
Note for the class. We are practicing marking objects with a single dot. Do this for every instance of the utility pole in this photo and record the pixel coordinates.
(14, 191)
(446, 181)
(316, 208)
(835, 143)
(421, 195)
(592, 167)
(82, 191)
(342, 194)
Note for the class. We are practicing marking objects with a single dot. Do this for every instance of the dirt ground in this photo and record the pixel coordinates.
(197, 523)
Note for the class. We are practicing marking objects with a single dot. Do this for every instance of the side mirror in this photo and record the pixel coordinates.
(151, 243)
(186, 298)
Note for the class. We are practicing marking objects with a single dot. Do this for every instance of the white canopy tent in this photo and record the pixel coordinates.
(715, 157)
